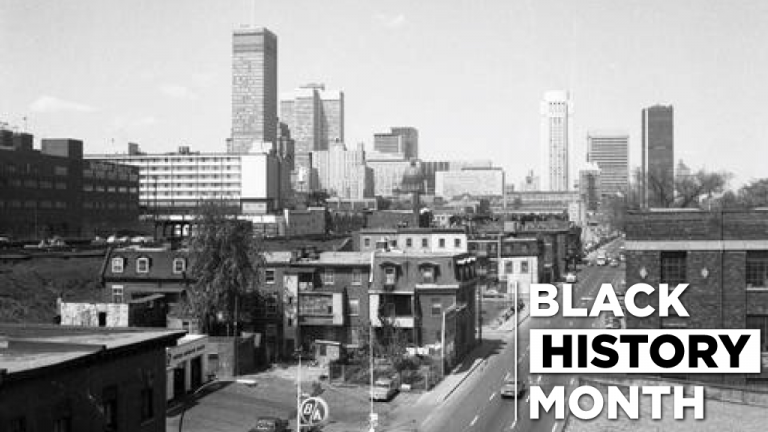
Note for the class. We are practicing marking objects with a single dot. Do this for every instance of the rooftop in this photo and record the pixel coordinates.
(32, 347)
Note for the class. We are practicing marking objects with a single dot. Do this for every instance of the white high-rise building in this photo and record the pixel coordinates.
(556, 133)
(610, 151)
(343, 173)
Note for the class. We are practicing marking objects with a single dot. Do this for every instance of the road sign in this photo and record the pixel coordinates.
(313, 411)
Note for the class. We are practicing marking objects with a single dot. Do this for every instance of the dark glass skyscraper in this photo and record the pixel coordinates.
(658, 156)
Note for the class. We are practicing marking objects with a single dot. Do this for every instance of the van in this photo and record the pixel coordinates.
(384, 389)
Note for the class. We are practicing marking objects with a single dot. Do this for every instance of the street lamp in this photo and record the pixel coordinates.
(248, 382)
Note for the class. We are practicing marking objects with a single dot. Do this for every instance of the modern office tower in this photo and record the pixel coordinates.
(315, 117)
(343, 173)
(254, 89)
(590, 186)
(388, 171)
(403, 140)
(658, 156)
(610, 151)
(556, 131)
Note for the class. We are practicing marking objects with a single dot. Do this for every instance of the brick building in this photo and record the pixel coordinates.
(53, 191)
(505, 263)
(429, 296)
(56, 378)
(724, 258)
(413, 239)
(562, 245)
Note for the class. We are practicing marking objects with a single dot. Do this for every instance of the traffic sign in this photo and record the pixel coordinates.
(313, 411)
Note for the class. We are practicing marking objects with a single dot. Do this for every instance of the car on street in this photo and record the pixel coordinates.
(570, 278)
(270, 424)
(512, 388)
(613, 323)
(614, 263)
(384, 389)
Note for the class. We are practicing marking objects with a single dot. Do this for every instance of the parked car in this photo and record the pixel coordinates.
(570, 278)
(512, 388)
(270, 424)
(614, 263)
(385, 389)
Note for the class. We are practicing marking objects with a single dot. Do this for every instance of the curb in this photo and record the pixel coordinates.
(461, 381)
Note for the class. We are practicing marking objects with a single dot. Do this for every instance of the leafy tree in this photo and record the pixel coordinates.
(754, 194)
(691, 188)
(225, 266)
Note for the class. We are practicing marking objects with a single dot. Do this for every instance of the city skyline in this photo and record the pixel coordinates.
(174, 87)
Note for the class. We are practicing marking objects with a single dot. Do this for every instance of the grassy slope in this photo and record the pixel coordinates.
(28, 290)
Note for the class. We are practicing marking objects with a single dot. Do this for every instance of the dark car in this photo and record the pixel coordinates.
(270, 424)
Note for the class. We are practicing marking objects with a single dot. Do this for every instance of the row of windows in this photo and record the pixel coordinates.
(35, 184)
(33, 204)
(143, 265)
(509, 267)
(88, 187)
(441, 242)
(674, 268)
(110, 205)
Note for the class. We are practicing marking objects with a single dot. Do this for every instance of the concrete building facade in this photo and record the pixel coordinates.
(556, 137)
(343, 173)
(477, 182)
(403, 140)
(610, 152)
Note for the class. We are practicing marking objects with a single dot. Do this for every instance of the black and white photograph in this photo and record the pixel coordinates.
(383, 216)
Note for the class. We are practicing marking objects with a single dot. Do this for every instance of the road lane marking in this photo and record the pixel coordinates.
(527, 398)
(554, 427)
(513, 424)
(474, 420)
(506, 377)
(492, 396)
(538, 380)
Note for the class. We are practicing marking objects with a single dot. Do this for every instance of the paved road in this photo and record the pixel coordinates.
(477, 406)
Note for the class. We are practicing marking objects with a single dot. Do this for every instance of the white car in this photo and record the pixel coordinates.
(570, 278)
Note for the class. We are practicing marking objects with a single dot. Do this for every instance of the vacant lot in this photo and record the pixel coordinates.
(29, 289)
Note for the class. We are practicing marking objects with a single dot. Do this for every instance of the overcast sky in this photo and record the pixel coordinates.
(468, 74)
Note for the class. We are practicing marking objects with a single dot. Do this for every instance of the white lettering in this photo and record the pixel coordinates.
(556, 398)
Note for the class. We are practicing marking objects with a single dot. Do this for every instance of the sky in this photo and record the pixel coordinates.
(469, 74)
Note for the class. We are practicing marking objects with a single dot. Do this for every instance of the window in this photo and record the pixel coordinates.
(367, 241)
(269, 276)
(409, 242)
(179, 265)
(63, 424)
(109, 408)
(524, 267)
(329, 277)
(271, 306)
(441, 243)
(508, 267)
(457, 243)
(424, 243)
(117, 265)
(390, 275)
(673, 268)
(357, 277)
(757, 269)
(18, 424)
(147, 404)
(60, 170)
(354, 306)
(142, 265)
(437, 307)
(117, 294)
(428, 274)
(316, 305)
(760, 322)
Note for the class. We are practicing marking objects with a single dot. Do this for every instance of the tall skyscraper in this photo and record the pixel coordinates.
(590, 186)
(254, 89)
(556, 131)
(403, 140)
(610, 151)
(658, 156)
(315, 117)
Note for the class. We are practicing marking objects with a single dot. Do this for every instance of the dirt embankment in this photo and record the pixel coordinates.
(29, 289)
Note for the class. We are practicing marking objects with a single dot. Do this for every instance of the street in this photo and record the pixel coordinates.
(477, 406)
